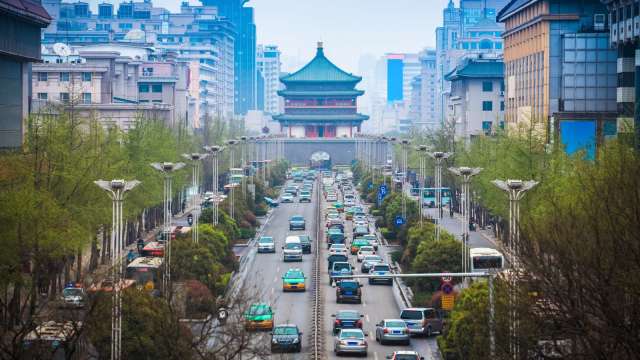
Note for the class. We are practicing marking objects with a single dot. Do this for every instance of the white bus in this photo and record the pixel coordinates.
(483, 259)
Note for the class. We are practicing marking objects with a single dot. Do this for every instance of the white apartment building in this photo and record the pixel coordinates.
(268, 64)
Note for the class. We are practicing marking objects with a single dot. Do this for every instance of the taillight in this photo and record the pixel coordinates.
(424, 322)
(405, 330)
(338, 290)
(359, 323)
(386, 331)
(337, 322)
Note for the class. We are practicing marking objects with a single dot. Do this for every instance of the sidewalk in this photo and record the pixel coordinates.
(477, 238)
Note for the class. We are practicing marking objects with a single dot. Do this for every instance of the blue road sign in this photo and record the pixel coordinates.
(383, 190)
(370, 185)
(399, 220)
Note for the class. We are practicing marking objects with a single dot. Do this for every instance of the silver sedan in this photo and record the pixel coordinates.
(392, 330)
(350, 341)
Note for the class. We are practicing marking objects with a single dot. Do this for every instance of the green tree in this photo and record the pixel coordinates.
(436, 256)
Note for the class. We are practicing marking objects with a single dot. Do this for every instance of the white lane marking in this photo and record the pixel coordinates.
(275, 279)
(364, 303)
(278, 269)
(367, 318)
(273, 290)
(375, 355)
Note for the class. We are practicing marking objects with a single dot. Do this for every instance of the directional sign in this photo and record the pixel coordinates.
(383, 190)
(370, 185)
(399, 220)
(447, 302)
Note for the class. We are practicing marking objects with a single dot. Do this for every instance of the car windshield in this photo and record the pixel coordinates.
(304, 238)
(366, 249)
(372, 258)
(348, 315)
(381, 268)
(266, 240)
(411, 315)
(341, 266)
(350, 285)
(292, 246)
(72, 292)
(395, 324)
(285, 330)
(259, 310)
(297, 218)
(294, 274)
(338, 246)
(350, 334)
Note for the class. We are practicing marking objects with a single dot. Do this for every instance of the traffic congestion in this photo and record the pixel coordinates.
(320, 215)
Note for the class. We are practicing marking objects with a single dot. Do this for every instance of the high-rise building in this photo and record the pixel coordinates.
(20, 26)
(401, 70)
(245, 51)
(268, 63)
(560, 71)
(428, 115)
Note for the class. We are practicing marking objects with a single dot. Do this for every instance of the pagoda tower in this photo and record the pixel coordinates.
(320, 101)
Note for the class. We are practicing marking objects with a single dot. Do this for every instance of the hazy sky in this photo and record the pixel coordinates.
(348, 28)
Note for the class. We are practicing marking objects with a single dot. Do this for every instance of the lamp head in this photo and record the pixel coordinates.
(117, 184)
(167, 166)
(515, 184)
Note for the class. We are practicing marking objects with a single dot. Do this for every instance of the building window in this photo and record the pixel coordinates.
(86, 76)
(143, 88)
(156, 88)
(148, 71)
(42, 76)
(43, 96)
(64, 76)
(64, 97)
(486, 127)
(501, 105)
(86, 98)
(487, 86)
(157, 101)
(487, 106)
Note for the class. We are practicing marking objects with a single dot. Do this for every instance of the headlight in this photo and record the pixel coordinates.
(274, 341)
(296, 340)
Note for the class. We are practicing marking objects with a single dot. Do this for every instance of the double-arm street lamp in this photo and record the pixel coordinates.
(167, 169)
(405, 145)
(116, 189)
(439, 158)
(466, 173)
(195, 177)
(516, 189)
(214, 151)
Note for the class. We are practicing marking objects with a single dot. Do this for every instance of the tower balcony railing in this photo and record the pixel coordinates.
(320, 111)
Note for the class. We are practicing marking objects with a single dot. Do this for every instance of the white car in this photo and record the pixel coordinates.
(362, 223)
(286, 198)
(349, 202)
(364, 251)
(338, 249)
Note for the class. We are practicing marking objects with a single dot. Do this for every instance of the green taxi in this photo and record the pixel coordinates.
(293, 280)
(259, 316)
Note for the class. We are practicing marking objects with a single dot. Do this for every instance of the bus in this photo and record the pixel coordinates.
(484, 259)
(236, 175)
(146, 270)
(429, 197)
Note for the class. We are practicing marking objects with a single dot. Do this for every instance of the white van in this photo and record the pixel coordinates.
(292, 249)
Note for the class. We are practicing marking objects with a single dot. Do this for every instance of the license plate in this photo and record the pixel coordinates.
(348, 293)
(352, 343)
(396, 332)
(294, 286)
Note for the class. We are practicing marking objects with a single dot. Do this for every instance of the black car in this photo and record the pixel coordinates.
(286, 337)
(347, 319)
(336, 258)
(348, 290)
(305, 241)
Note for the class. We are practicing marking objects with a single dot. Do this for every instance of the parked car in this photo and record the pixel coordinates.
(422, 321)
(392, 330)
(347, 319)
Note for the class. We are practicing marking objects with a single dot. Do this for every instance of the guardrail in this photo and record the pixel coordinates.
(316, 318)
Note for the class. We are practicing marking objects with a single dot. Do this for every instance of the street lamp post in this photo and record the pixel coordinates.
(439, 157)
(231, 144)
(214, 151)
(195, 177)
(167, 169)
(116, 189)
(405, 144)
(516, 190)
(422, 149)
(466, 173)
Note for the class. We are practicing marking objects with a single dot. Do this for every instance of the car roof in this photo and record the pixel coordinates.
(389, 320)
(417, 309)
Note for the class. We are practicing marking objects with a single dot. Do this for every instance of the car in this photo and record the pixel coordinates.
(392, 330)
(292, 249)
(296, 222)
(340, 268)
(266, 245)
(293, 280)
(349, 202)
(336, 258)
(259, 316)
(291, 190)
(363, 224)
(286, 198)
(305, 196)
(360, 230)
(348, 214)
(334, 236)
(332, 198)
(286, 337)
(359, 216)
(369, 261)
(347, 319)
(373, 240)
(357, 244)
(73, 296)
(348, 290)
(405, 355)
(339, 206)
(364, 251)
(380, 270)
(338, 249)
(305, 241)
(350, 341)
(422, 321)
(335, 222)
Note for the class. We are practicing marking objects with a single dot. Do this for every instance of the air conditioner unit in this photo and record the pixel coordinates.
(599, 22)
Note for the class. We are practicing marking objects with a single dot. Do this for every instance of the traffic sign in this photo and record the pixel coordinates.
(447, 302)
(370, 185)
(190, 219)
(383, 190)
(399, 220)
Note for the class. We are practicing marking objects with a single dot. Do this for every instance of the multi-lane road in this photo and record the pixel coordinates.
(265, 277)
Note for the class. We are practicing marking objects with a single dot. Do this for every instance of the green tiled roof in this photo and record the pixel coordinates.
(320, 93)
(477, 69)
(320, 69)
(352, 117)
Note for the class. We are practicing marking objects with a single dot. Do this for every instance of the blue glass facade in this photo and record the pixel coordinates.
(395, 68)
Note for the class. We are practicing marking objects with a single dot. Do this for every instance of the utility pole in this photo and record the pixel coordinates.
(466, 173)
(516, 190)
(405, 144)
(195, 197)
(116, 189)
(214, 151)
(422, 150)
(231, 144)
(439, 157)
(167, 169)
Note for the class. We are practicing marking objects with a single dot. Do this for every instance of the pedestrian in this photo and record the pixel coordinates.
(451, 211)
(140, 245)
